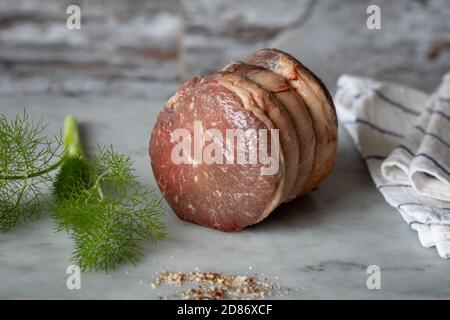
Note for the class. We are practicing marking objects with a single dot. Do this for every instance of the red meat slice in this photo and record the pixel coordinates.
(226, 197)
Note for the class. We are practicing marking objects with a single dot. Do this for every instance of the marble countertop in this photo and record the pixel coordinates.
(317, 247)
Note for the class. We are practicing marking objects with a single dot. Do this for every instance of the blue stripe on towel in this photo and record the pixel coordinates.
(415, 222)
(433, 135)
(396, 104)
(437, 164)
(393, 186)
(403, 147)
(442, 114)
(375, 127)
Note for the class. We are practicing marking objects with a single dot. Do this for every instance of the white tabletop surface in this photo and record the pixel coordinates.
(317, 247)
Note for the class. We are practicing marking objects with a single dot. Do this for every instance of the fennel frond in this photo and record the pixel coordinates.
(98, 201)
(27, 156)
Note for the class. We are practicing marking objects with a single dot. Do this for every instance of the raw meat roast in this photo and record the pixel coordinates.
(228, 148)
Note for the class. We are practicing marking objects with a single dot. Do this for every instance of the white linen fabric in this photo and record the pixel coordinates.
(403, 134)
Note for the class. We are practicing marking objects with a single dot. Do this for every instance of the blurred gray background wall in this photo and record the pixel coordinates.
(143, 48)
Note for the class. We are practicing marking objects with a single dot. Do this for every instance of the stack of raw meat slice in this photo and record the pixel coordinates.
(268, 90)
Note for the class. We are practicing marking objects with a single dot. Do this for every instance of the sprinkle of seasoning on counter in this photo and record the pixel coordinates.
(216, 286)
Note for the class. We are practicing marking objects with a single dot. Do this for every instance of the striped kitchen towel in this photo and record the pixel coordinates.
(404, 136)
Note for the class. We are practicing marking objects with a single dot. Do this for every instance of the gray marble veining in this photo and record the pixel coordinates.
(318, 246)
